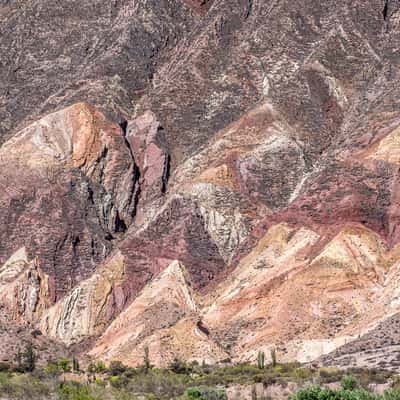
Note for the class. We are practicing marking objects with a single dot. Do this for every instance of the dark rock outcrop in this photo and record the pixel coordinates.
(249, 148)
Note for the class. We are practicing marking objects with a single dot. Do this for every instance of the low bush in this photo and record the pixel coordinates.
(162, 383)
(319, 393)
(367, 376)
(187, 381)
(74, 391)
(4, 367)
(348, 382)
(22, 386)
(303, 374)
(328, 375)
(116, 368)
(204, 393)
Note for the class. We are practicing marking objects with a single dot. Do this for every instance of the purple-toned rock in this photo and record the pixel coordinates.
(146, 139)
(67, 192)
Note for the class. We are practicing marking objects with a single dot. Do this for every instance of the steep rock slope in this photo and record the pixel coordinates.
(53, 54)
(235, 174)
(60, 194)
(166, 315)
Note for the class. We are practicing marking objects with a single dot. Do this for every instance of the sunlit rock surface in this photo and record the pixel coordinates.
(207, 179)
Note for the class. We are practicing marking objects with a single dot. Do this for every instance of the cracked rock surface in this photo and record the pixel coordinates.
(205, 178)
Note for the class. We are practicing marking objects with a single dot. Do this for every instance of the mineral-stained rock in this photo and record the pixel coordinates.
(261, 171)
(25, 290)
(25, 293)
(165, 311)
(205, 178)
(67, 189)
(146, 140)
(325, 287)
(103, 53)
(96, 301)
(89, 307)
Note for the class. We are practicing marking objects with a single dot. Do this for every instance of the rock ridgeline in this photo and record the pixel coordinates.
(207, 179)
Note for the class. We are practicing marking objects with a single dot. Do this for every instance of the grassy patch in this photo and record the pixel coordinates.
(320, 393)
(185, 382)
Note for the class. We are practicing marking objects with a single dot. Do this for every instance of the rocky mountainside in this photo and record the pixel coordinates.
(207, 179)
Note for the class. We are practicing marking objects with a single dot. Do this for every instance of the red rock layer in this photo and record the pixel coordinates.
(261, 157)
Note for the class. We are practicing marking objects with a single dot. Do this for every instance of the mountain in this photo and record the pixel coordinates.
(207, 179)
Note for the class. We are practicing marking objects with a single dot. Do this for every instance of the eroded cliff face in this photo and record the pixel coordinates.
(164, 317)
(26, 291)
(60, 193)
(205, 178)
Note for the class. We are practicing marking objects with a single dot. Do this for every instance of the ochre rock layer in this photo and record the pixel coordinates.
(207, 179)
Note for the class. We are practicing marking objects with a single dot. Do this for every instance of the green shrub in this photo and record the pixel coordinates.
(279, 369)
(4, 367)
(65, 365)
(53, 368)
(100, 367)
(159, 382)
(22, 386)
(319, 393)
(348, 382)
(204, 393)
(123, 383)
(179, 367)
(328, 375)
(367, 376)
(269, 380)
(303, 373)
(115, 381)
(392, 394)
(26, 360)
(116, 368)
(76, 391)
